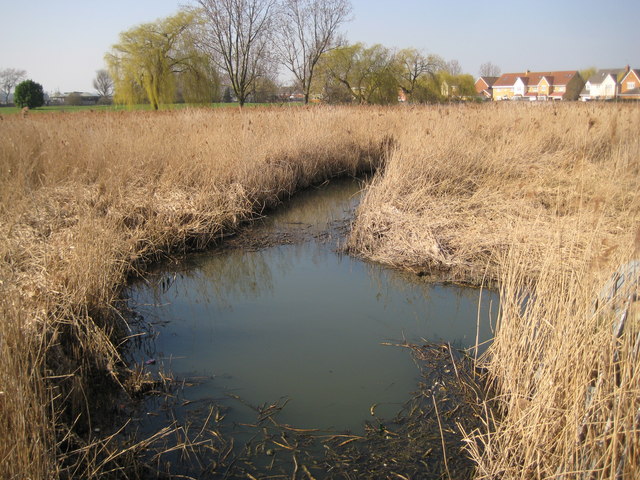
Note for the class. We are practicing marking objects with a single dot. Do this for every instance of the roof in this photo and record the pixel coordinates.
(488, 80)
(601, 75)
(508, 79)
(533, 78)
(635, 71)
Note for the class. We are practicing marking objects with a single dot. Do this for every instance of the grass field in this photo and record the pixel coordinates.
(118, 108)
(540, 200)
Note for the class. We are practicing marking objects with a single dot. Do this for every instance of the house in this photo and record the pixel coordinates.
(484, 87)
(74, 98)
(603, 85)
(558, 85)
(630, 85)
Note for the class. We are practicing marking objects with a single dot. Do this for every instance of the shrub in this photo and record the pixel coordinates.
(28, 94)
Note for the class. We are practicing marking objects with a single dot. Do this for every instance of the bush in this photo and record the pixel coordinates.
(28, 94)
(73, 99)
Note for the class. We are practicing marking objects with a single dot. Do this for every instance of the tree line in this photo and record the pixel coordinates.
(244, 44)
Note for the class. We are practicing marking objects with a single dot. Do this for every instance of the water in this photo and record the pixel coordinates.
(300, 321)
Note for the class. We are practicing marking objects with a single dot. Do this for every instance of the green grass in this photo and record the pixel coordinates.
(139, 107)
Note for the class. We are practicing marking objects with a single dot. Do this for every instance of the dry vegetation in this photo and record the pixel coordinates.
(540, 199)
(87, 199)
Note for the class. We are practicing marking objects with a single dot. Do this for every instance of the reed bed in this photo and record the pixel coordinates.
(539, 200)
(88, 199)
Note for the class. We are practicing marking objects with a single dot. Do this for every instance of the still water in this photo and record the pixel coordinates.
(298, 320)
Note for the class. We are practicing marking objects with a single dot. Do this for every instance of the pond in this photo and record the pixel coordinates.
(279, 313)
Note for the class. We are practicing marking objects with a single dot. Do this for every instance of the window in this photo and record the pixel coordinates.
(631, 85)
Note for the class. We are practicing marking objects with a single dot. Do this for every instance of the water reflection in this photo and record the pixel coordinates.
(303, 322)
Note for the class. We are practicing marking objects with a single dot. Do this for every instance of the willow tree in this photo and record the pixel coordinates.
(413, 66)
(367, 74)
(149, 57)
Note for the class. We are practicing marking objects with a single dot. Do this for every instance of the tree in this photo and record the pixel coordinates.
(237, 35)
(413, 65)
(103, 84)
(587, 73)
(307, 29)
(488, 69)
(28, 94)
(453, 67)
(427, 90)
(149, 57)
(9, 78)
(367, 74)
(73, 99)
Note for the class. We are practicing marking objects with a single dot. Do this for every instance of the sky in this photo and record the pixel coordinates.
(62, 43)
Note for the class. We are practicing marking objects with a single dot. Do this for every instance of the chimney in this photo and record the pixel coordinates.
(527, 72)
(627, 68)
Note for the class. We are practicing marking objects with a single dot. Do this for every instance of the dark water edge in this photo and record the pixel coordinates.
(277, 335)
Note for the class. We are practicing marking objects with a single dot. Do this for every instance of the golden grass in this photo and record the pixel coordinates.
(542, 200)
(87, 199)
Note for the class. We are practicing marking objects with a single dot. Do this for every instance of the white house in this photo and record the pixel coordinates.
(602, 85)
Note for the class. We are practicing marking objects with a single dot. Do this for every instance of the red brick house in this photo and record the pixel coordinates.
(484, 87)
(630, 85)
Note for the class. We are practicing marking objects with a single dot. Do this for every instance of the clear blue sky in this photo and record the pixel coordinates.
(62, 43)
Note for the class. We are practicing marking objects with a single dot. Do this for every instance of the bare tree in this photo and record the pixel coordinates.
(454, 68)
(9, 78)
(237, 34)
(103, 84)
(307, 29)
(488, 69)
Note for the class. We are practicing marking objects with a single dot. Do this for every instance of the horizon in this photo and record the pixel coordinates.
(66, 42)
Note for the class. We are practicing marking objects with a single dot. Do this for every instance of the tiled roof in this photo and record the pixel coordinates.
(508, 79)
(601, 75)
(489, 80)
(635, 71)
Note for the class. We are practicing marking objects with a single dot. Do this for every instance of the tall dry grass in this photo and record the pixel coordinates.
(88, 199)
(543, 202)
(540, 200)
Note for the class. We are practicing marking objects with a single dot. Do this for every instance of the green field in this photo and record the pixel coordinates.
(143, 107)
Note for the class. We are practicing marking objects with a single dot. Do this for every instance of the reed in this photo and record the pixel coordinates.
(88, 199)
(542, 201)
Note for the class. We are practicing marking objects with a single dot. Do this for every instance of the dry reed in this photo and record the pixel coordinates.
(543, 202)
(540, 199)
(88, 199)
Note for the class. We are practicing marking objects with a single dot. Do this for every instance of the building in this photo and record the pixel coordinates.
(558, 85)
(603, 85)
(630, 85)
(484, 87)
(74, 98)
